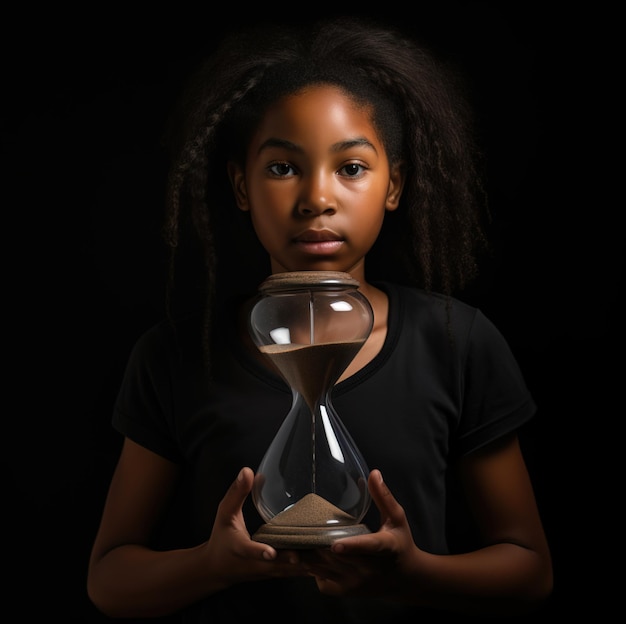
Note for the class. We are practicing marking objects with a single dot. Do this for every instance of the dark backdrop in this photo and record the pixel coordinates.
(85, 96)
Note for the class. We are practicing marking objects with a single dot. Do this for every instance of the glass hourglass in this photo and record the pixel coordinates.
(311, 486)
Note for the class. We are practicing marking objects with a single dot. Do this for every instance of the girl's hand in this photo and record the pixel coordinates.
(231, 550)
(372, 563)
(510, 574)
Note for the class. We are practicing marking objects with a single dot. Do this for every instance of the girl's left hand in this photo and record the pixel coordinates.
(371, 563)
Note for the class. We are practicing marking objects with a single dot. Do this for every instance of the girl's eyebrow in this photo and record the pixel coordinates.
(336, 147)
(282, 143)
(356, 142)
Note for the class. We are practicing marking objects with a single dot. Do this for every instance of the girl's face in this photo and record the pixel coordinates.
(317, 182)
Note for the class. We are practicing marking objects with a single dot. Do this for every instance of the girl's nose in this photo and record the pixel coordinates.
(316, 197)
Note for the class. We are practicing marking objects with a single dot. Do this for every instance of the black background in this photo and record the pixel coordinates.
(85, 97)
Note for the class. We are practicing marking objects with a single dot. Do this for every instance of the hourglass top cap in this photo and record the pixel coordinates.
(324, 280)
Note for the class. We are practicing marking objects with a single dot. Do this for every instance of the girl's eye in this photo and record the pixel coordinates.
(281, 169)
(352, 170)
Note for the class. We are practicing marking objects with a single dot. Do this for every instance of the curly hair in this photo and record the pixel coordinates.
(420, 112)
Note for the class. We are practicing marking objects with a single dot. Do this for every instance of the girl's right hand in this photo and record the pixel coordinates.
(231, 550)
(128, 578)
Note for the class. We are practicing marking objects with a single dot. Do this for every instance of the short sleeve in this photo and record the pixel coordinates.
(496, 399)
(142, 410)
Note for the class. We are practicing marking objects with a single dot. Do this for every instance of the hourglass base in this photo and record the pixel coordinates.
(297, 537)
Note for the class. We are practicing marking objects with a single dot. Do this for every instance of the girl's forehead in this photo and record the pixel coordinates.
(324, 104)
(320, 120)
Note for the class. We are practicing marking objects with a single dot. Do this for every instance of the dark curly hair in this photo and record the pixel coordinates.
(420, 111)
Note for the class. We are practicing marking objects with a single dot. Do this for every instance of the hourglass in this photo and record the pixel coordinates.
(311, 485)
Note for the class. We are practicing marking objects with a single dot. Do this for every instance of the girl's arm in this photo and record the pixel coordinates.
(126, 578)
(511, 574)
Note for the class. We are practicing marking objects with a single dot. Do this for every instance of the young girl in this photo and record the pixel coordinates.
(344, 148)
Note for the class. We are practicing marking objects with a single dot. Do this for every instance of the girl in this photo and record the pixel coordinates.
(346, 148)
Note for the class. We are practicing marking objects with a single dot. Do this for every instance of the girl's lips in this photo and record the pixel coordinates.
(319, 242)
(319, 247)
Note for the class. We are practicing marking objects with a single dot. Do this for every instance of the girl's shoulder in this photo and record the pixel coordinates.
(413, 300)
(415, 311)
(169, 339)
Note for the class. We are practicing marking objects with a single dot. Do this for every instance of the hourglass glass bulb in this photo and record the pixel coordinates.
(311, 486)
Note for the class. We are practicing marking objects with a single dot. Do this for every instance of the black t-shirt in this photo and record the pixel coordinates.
(444, 384)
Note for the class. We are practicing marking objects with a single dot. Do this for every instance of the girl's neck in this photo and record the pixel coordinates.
(380, 305)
